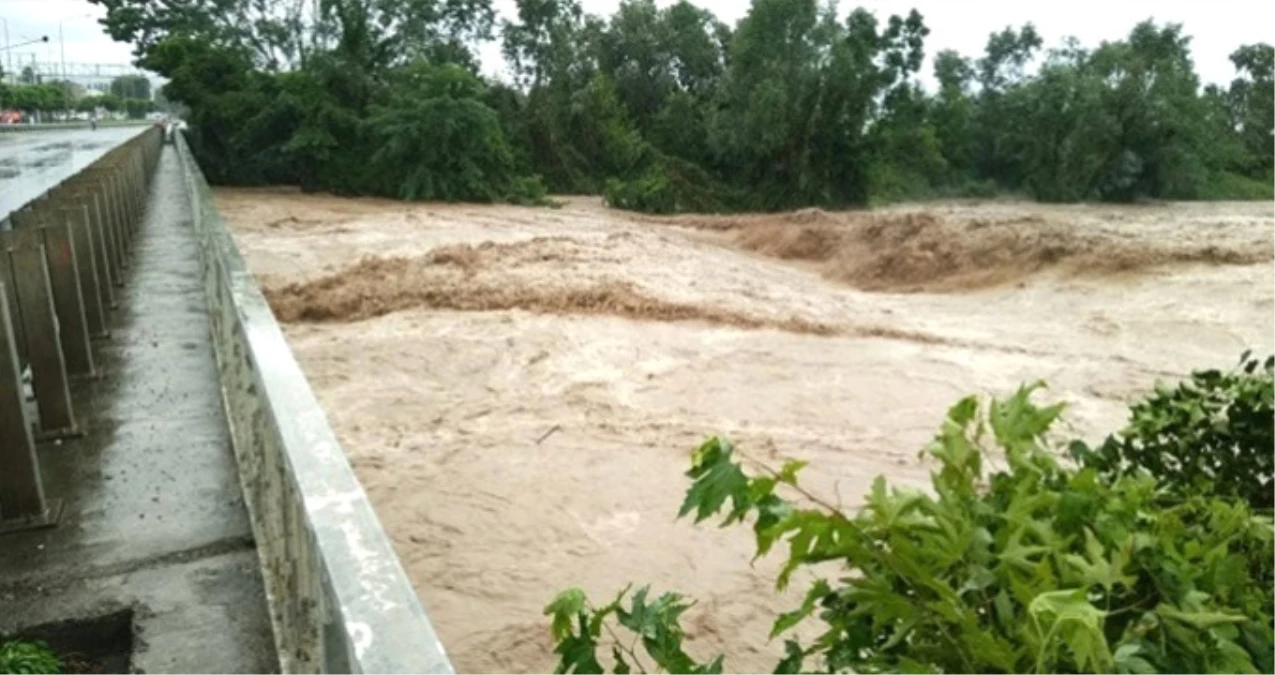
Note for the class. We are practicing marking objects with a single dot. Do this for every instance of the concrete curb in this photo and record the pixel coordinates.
(339, 598)
(60, 126)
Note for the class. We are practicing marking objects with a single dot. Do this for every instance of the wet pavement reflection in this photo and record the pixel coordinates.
(31, 162)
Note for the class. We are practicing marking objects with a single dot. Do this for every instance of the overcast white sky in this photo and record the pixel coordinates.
(1216, 26)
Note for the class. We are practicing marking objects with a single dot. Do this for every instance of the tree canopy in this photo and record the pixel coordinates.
(669, 109)
(131, 86)
(34, 97)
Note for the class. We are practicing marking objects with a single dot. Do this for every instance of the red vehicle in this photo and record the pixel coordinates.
(10, 117)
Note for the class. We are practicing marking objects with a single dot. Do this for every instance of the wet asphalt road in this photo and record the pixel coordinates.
(31, 162)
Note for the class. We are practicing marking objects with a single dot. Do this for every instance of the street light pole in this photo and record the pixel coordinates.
(8, 55)
(66, 84)
(62, 42)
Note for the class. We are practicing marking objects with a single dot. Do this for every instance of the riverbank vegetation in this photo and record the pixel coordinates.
(668, 109)
(1151, 556)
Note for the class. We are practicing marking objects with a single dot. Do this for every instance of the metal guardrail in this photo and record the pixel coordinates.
(339, 599)
(58, 264)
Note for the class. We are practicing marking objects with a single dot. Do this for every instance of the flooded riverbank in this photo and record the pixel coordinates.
(519, 388)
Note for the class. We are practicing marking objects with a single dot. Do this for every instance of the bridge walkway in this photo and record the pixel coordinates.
(153, 523)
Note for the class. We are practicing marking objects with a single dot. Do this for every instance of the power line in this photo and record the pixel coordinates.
(96, 76)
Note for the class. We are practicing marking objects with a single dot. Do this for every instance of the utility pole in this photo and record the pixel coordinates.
(66, 85)
(62, 42)
(8, 55)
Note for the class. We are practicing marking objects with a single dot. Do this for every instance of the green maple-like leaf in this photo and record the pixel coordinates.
(578, 654)
(1068, 617)
(818, 591)
(564, 609)
(716, 479)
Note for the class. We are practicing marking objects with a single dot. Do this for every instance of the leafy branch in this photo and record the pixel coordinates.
(1032, 566)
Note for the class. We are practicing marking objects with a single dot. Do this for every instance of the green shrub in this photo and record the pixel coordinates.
(436, 140)
(649, 193)
(528, 191)
(1224, 185)
(1013, 562)
(669, 185)
(978, 189)
(28, 656)
(891, 183)
(1212, 434)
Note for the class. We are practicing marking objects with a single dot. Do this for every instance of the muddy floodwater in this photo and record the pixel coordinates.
(519, 388)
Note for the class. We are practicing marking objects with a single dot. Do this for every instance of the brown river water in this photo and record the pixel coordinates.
(518, 388)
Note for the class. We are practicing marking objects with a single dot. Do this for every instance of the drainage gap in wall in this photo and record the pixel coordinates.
(100, 644)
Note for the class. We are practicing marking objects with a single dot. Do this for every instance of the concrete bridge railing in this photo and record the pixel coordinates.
(339, 599)
(63, 257)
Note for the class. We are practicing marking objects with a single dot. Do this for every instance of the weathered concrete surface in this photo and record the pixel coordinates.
(153, 512)
(33, 162)
(339, 599)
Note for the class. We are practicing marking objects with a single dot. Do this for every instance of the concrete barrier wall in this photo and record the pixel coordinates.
(339, 598)
(54, 301)
(58, 126)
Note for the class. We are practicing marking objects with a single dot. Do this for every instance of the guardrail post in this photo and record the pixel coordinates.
(22, 502)
(64, 282)
(139, 177)
(114, 225)
(57, 269)
(10, 293)
(119, 174)
(113, 219)
(97, 179)
(91, 186)
(95, 285)
(39, 325)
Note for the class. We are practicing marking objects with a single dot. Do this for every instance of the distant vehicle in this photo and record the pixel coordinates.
(10, 117)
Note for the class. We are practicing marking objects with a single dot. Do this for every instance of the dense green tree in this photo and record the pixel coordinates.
(1124, 121)
(653, 54)
(1005, 58)
(279, 35)
(800, 97)
(36, 98)
(224, 94)
(1151, 94)
(270, 32)
(1057, 134)
(668, 109)
(952, 114)
(435, 139)
(1251, 102)
(667, 66)
(110, 102)
(999, 72)
(548, 48)
(137, 108)
(74, 91)
(131, 86)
